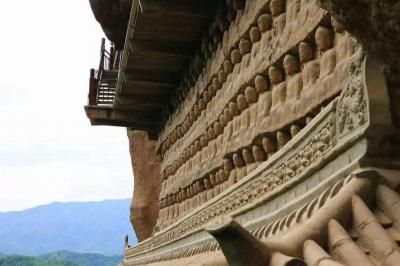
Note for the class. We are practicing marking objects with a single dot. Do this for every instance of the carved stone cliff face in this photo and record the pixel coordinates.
(113, 15)
(147, 183)
(376, 23)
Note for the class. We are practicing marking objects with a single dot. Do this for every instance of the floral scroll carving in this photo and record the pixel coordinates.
(352, 104)
(260, 187)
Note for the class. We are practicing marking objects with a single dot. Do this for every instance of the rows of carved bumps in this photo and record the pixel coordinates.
(248, 105)
(281, 91)
(211, 41)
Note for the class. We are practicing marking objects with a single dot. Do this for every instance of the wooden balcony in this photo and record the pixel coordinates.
(133, 87)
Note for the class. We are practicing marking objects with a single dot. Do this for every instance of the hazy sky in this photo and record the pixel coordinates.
(48, 150)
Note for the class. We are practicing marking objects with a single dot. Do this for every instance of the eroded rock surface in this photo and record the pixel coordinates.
(376, 23)
(113, 16)
(147, 181)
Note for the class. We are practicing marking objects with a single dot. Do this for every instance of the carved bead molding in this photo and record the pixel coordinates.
(287, 168)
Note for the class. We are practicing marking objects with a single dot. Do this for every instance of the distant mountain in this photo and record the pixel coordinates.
(18, 260)
(61, 258)
(84, 227)
(83, 259)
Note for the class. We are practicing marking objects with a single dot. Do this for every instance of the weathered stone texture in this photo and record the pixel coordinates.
(376, 23)
(113, 15)
(146, 170)
(290, 101)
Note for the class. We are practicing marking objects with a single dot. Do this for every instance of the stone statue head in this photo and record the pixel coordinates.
(211, 91)
(290, 64)
(238, 160)
(207, 183)
(222, 120)
(233, 108)
(236, 56)
(202, 104)
(192, 149)
(203, 141)
(213, 179)
(211, 133)
(221, 76)
(251, 94)
(228, 67)
(196, 110)
(192, 117)
(228, 166)
(324, 38)
(275, 75)
(227, 114)
(248, 156)
(241, 102)
(216, 84)
(244, 46)
(206, 96)
(198, 145)
(265, 22)
(258, 153)
(268, 145)
(261, 83)
(217, 128)
(255, 34)
(337, 24)
(276, 7)
(222, 175)
(199, 186)
(306, 52)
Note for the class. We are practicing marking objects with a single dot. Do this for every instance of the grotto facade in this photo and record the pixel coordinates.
(262, 132)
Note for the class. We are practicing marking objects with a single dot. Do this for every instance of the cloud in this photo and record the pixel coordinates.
(48, 150)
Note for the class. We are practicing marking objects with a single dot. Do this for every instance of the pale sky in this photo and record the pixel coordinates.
(48, 150)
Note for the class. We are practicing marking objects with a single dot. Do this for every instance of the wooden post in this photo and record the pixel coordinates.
(112, 56)
(92, 88)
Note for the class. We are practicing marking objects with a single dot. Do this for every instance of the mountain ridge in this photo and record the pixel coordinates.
(83, 227)
(61, 258)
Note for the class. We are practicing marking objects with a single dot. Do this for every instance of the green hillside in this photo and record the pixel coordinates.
(16, 260)
(61, 258)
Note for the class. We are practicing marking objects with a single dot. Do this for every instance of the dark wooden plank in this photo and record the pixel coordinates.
(147, 88)
(134, 73)
(184, 50)
(140, 102)
(203, 8)
(150, 120)
(158, 62)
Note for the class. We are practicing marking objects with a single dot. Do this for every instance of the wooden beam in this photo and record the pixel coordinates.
(198, 8)
(144, 87)
(173, 49)
(139, 102)
(154, 61)
(136, 74)
(110, 116)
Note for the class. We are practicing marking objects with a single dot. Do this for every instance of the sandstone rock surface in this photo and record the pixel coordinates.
(147, 183)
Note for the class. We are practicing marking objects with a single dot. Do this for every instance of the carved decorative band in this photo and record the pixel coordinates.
(273, 229)
(272, 176)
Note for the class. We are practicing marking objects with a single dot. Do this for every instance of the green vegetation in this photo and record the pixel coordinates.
(61, 258)
(15, 260)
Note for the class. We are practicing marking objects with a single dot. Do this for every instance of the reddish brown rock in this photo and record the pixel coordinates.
(147, 183)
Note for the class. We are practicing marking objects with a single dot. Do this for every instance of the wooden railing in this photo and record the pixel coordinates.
(102, 82)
